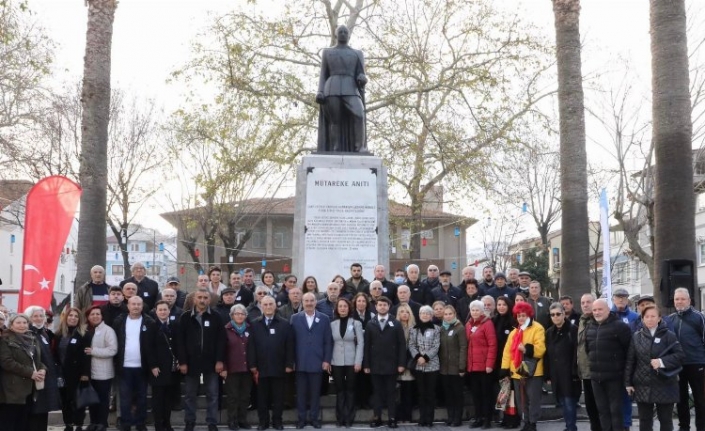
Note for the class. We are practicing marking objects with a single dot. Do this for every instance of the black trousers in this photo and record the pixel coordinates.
(646, 416)
(426, 383)
(452, 384)
(344, 379)
(15, 417)
(609, 398)
(384, 393)
(69, 412)
(99, 412)
(363, 391)
(237, 387)
(161, 405)
(407, 396)
(591, 406)
(270, 393)
(482, 388)
(693, 375)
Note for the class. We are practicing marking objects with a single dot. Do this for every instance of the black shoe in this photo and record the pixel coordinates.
(126, 428)
(212, 427)
(300, 425)
(141, 428)
(376, 423)
(190, 426)
(262, 427)
(68, 428)
(232, 425)
(477, 423)
(392, 423)
(316, 424)
(348, 424)
(244, 425)
(277, 427)
(456, 424)
(487, 425)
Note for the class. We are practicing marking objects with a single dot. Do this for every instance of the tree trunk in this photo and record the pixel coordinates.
(93, 174)
(674, 200)
(575, 244)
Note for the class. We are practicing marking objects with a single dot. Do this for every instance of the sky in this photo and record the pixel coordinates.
(152, 38)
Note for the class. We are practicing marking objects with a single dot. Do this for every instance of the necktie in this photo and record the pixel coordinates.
(268, 321)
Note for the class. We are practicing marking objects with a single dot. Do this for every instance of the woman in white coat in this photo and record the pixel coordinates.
(348, 347)
(104, 346)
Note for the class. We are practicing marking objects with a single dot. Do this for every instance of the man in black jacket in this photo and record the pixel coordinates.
(201, 353)
(147, 288)
(607, 344)
(175, 284)
(270, 356)
(135, 358)
(115, 307)
(384, 359)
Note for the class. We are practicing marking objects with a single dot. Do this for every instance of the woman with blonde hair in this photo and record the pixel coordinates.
(74, 364)
(406, 380)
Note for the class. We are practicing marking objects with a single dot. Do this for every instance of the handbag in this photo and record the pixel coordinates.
(505, 389)
(527, 368)
(86, 396)
(668, 373)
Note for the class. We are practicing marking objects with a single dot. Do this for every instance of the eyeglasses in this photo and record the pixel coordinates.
(556, 314)
(261, 293)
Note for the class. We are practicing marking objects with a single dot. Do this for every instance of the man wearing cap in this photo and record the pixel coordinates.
(501, 288)
(384, 359)
(174, 283)
(643, 301)
(620, 307)
(689, 326)
(524, 281)
(446, 292)
(487, 279)
(227, 300)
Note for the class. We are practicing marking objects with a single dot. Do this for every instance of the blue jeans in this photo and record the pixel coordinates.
(133, 386)
(570, 412)
(211, 382)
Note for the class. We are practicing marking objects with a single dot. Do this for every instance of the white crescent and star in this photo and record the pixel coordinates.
(44, 283)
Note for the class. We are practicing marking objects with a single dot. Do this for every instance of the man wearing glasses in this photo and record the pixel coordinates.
(254, 311)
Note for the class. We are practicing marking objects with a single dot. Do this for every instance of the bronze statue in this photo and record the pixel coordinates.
(341, 95)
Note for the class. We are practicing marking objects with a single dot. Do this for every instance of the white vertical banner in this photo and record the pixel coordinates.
(606, 252)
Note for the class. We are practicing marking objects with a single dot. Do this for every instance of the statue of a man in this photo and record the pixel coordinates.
(341, 90)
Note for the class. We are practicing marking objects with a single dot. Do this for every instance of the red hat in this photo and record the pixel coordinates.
(523, 307)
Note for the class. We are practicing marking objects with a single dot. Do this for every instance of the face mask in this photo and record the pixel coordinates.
(398, 280)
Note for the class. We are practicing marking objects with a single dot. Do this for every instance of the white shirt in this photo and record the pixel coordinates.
(133, 357)
(309, 319)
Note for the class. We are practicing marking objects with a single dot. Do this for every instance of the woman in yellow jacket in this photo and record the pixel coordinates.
(526, 341)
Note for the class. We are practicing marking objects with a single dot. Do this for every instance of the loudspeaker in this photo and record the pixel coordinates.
(677, 273)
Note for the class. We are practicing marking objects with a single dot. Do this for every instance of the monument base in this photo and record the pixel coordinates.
(341, 216)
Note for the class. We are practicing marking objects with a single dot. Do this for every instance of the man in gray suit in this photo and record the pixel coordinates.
(341, 90)
(314, 347)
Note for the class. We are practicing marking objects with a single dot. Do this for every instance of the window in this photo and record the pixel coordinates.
(258, 240)
(281, 240)
(620, 273)
(702, 254)
(117, 270)
(134, 246)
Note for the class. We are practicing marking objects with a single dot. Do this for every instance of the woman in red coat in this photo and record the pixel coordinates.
(482, 351)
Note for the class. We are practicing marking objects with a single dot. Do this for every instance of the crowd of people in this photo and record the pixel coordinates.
(402, 345)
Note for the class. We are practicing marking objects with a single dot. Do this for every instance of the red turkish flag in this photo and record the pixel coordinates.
(49, 212)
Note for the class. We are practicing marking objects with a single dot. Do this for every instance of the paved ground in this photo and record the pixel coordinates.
(542, 426)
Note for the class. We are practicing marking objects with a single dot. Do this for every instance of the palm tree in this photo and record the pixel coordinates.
(93, 173)
(674, 200)
(575, 244)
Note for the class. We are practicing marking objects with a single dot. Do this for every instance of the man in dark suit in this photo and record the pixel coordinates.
(147, 288)
(384, 359)
(201, 352)
(136, 334)
(314, 348)
(270, 355)
(404, 295)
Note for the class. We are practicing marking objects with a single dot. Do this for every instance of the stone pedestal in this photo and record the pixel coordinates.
(341, 216)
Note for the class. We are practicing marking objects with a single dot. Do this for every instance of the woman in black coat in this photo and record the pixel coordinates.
(561, 363)
(49, 398)
(75, 365)
(165, 381)
(655, 357)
